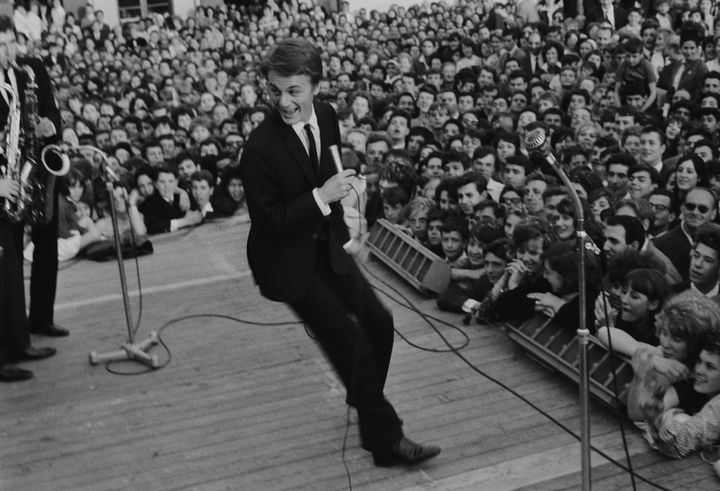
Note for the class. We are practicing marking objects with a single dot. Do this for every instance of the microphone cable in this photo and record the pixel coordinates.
(512, 391)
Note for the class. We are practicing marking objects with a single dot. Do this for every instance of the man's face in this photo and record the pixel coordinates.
(641, 185)
(155, 156)
(617, 177)
(201, 191)
(614, 240)
(468, 197)
(291, 96)
(704, 265)
(533, 196)
(698, 209)
(648, 38)
(661, 208)
(8, 48)
(704, 152)
(604, 36)
(166, 184)
(552, 119)
(515, 176)
(434, 167)
(517, 84)
(709, 123)
(186, 168)
(651, 148)
(398, 128)
(712, 84)
(375, 152)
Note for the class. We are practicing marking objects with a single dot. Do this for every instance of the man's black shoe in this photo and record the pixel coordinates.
(53, 330)
(11, 373)
(405, 452)
(33, 353)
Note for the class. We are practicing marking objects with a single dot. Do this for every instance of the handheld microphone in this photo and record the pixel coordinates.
(337, 160)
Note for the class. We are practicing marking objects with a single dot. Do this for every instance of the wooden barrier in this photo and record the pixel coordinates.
(418, 265)
(557, 349)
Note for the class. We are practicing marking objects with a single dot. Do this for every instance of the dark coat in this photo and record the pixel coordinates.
(287, 226)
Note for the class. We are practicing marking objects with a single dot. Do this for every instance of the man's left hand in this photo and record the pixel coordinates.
(45, 128)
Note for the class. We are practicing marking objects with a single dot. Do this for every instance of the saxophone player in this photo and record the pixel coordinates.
(15, 326)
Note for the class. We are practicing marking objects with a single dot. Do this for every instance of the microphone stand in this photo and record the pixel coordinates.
(131, 350)
(583, 334)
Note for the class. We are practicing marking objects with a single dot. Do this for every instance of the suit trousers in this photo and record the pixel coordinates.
(14, 336)
(355, 332)
(44, 271)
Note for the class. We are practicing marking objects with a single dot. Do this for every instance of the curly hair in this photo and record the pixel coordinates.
(692, 317)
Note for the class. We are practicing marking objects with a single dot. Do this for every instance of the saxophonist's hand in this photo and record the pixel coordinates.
(45, 128)
(9, 189)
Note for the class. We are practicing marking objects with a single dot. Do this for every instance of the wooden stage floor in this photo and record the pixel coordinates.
(246, 407)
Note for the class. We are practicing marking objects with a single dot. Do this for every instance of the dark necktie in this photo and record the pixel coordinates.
(311, 145)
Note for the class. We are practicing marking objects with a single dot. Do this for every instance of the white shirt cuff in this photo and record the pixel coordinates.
(174, 225)
(324, 208)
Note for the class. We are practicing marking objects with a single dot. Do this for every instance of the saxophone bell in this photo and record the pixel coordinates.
(55, 160)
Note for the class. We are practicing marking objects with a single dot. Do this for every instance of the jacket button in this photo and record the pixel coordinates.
(315, 236)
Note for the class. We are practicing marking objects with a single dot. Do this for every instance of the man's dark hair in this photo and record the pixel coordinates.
(709, 235)
(293, 56)
(634, 231)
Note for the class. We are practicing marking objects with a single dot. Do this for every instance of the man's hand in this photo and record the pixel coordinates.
(9, 189)
(193, 218)
(337, 187)
(45, 128)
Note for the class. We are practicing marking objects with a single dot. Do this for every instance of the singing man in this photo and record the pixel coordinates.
(298, 239)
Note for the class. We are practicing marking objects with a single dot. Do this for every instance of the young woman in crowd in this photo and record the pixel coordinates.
(632, 323)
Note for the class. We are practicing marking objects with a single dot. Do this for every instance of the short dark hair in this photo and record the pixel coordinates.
(203, 175)
(634, 231)
(293, 56)
(708, 234)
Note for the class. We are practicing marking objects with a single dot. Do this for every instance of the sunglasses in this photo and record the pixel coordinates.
(701, 208)
(513, 201)
(661, 208)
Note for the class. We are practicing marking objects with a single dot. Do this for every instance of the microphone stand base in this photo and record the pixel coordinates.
(130, 351)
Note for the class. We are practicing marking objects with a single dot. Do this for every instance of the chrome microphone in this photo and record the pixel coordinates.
(337, 160)
(535, 139)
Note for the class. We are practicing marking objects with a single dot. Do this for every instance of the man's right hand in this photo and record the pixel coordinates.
(9, 189)
(193, 217)
(337, 187)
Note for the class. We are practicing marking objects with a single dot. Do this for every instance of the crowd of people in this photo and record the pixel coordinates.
(434, 103)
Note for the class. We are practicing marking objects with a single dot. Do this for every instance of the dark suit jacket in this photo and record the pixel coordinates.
(287, 226)
(676, 246)
(594, 12)
(691, 79)
(158, 213)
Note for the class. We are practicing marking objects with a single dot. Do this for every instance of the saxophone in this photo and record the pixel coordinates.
(37, 182)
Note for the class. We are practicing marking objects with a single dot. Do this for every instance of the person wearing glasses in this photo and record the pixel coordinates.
(663, 204)
(698, 209)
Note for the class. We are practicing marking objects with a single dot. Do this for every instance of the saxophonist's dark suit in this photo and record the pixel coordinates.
(296, 256)
(43, 280)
